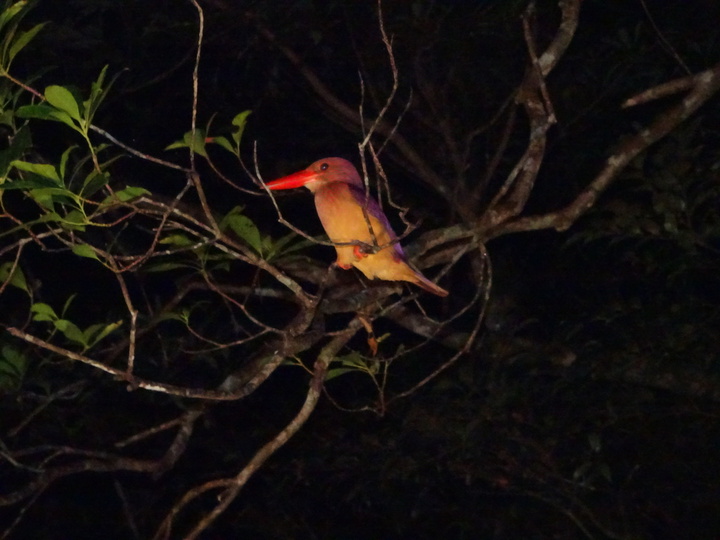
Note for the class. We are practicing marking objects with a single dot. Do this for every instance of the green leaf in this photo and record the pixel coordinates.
(61, 98)
(354, 360)
(97, 94)
(177, 239)
(84, 250)
(43, 312)
(336, 372)
(96, 332)
(32, 182)
(47, 197)
(222, 141)
(6, 118)
(9, 13)
(131, 192)
(75, 220)
(40, 111)
(283, 245)
(194, 141)
(43, 111)
(182, 316)
(13, 365)
(17, 279)
(67, 304)
(166, 266)
(94, 182)
(70, 331)
(243, 227)
(21, 41)
(64, 159)
(19, 143)
(43, 169)
(239, 122)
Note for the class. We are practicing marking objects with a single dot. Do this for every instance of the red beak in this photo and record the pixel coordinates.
(294, 180)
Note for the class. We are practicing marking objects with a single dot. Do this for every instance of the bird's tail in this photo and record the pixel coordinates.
(429, 286)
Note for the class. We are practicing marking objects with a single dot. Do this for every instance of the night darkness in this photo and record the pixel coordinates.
(569, 385)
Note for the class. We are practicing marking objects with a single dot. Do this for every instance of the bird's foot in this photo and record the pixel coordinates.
(359, 253)
(343, 266)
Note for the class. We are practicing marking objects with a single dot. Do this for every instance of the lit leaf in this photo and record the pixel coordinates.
(43, 169)
(61, 98)
(22, 40)
(94, 182)
(43, 312)
(177, 240)
(70, 331)
(10, 12)
(222, 141)
(84, 250)
(194, 141)
(243, 227)
(96, 332)
(17, 279)
(131, 192)
(43, 111)
(239, 122)
(64, 159)
(75, 220)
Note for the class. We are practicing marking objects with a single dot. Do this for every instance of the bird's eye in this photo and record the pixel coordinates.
(324, 167)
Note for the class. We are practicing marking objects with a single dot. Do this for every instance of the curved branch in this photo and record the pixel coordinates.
(706, 85)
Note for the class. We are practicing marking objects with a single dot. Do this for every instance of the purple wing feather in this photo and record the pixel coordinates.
(373, 209)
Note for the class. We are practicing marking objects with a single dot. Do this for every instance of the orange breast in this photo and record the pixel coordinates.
(345, 220)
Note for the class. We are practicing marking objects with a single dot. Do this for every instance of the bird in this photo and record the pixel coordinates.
(348, 214)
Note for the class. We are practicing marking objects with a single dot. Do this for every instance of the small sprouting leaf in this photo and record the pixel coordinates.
(243, 227)
(43, 312)
(84, 250)
(17, 279)
(67, 304)
(64, 159)
(239, 122)
(61, 98)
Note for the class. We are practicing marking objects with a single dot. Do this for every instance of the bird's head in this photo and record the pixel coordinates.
(322, 172)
